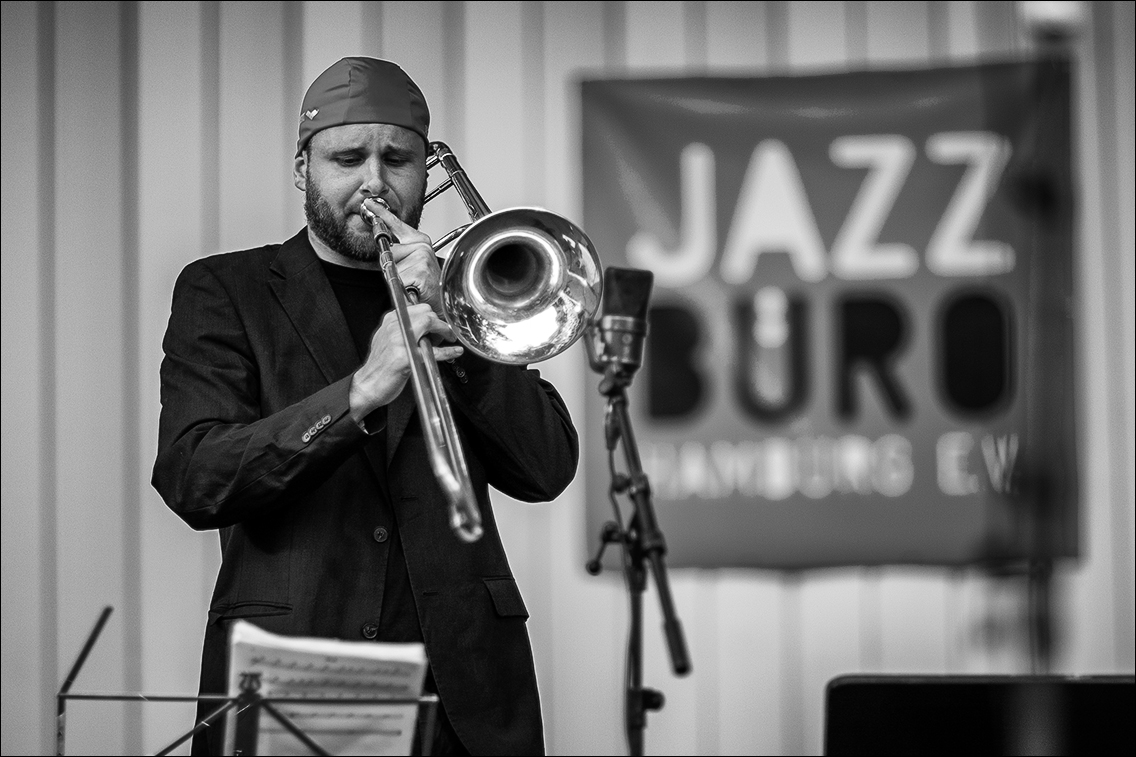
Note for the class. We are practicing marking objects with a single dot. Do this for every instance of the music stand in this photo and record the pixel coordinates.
(250, 701)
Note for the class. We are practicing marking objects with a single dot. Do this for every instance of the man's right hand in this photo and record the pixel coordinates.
(384, 373)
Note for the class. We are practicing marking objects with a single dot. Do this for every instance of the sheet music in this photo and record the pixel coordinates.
(333, 670)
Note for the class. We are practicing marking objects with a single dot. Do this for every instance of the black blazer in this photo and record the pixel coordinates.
(256, 440)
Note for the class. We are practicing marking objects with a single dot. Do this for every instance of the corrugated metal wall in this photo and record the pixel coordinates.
(138, 136)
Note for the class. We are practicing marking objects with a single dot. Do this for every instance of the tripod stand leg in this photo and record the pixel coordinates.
(205, 723)
(634, 714)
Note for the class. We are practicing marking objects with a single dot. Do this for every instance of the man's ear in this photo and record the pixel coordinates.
(300, 171)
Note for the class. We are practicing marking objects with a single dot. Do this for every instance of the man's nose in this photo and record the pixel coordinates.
(373, 183)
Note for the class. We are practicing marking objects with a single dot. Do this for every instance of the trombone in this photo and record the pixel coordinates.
(519, 286)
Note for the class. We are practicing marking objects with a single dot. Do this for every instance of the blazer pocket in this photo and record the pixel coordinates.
(248, 610)
(506, 597)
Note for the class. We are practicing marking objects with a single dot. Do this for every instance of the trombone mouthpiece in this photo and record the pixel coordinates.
(369, 214)
(378, 228)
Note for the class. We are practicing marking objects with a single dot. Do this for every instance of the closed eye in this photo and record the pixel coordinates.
(397, 157)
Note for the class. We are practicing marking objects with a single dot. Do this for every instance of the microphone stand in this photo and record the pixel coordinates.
(643, 543)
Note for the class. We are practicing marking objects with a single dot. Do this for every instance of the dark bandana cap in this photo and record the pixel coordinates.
(362, 91)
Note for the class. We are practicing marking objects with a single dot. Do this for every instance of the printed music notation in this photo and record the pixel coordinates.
(330, 665)
(327, 669)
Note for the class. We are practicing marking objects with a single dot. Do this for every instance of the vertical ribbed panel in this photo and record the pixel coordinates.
(27, 366)
(89, 343)
(176, 225)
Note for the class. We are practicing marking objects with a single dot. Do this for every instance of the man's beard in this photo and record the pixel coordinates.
(334, 233)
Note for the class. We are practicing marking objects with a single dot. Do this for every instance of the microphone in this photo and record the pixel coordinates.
(623, 325)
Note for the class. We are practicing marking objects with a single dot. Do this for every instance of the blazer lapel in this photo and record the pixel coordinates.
(306, 296)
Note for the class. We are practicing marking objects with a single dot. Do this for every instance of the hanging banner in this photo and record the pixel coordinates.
(860, 346)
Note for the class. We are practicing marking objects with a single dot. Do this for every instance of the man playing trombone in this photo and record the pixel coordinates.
(289, 424)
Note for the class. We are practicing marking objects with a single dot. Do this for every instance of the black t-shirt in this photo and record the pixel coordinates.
(364, 298)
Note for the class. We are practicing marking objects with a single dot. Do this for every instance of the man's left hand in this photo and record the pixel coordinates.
(414, 257)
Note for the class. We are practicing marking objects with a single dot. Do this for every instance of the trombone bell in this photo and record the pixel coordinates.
(521, 285)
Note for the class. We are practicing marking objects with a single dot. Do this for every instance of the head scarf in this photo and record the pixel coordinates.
(362, 91)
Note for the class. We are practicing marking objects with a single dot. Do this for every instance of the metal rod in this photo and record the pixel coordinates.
(474, 203)
(61, 699)
(205, 723)
(295, 730)
(449, 237)
(91, 639)
(136, 696)
(438, 190)
(132, 696)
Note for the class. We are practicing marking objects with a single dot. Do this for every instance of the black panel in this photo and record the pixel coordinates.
(980, 715)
